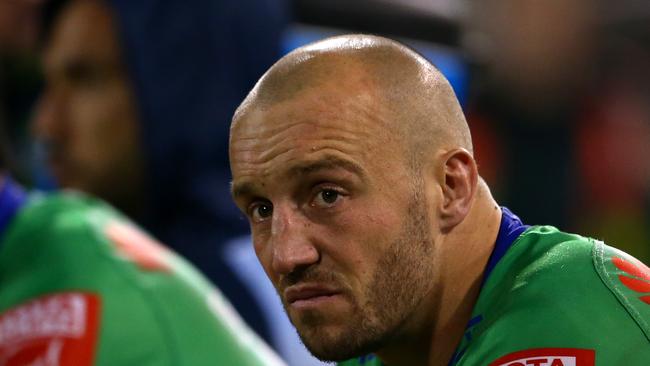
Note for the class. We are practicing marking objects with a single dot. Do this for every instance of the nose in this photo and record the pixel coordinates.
(292, 244)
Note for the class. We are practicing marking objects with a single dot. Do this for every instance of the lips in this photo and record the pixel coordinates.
(299, 293)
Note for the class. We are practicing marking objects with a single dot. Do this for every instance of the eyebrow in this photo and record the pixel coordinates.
(242, 189)
(329, 162)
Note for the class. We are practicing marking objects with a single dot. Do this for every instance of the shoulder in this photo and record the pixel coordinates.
(547, 299)
(65, 203)
(69, 213)
(59, 230)
(57, 255)
(141, 298)
(70, 233)
(628, 279)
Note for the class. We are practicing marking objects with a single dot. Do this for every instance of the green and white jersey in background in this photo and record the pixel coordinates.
(80, 285)
(555, 299)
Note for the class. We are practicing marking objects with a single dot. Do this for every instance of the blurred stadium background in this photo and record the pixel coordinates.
(557, 95)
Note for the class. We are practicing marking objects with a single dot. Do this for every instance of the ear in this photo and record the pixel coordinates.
(458, 187)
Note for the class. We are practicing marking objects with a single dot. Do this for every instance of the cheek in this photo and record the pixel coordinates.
(264, 256)
(360, 241)
(104, 124)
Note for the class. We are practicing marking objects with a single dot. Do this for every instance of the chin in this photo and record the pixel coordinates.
(331, 350)
(337, 343)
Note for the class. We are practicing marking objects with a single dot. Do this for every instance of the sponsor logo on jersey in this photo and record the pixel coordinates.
(636, 277)
(138, 247)
(548, 357)
(53, 330)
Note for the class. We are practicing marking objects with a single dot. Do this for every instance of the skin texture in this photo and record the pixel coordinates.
(87, 116)
(352, 160)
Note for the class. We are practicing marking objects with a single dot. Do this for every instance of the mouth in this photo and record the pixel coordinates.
(309, 296)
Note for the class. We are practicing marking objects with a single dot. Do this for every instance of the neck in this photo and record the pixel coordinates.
(462, 255)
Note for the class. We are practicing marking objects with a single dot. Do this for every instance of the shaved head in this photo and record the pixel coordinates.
(422, 109)
(351, 159)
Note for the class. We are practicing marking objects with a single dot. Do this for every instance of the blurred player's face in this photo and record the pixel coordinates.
(337, 217)
(86, 115)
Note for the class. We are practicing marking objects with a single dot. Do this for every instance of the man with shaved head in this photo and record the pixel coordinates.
(353, 162)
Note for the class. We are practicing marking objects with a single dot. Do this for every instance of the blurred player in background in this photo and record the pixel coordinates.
(81, 285)
(19, 76)
(352, 160)
(135, 111)
(562, 100)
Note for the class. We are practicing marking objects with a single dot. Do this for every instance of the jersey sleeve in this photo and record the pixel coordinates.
(556, 311)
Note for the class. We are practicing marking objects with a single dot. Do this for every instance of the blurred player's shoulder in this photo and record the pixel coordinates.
(71, 228)
(132, 300)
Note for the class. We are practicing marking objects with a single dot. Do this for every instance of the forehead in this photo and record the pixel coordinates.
(350, 124)
(83, 30)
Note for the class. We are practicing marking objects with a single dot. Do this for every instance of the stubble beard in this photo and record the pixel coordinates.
(400, 283)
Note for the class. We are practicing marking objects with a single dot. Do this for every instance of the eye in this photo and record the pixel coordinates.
(85, 73)
(260, 211)
(326, 198)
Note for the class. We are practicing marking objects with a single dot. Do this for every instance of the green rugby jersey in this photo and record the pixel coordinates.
(555, 299)
(80, 285)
